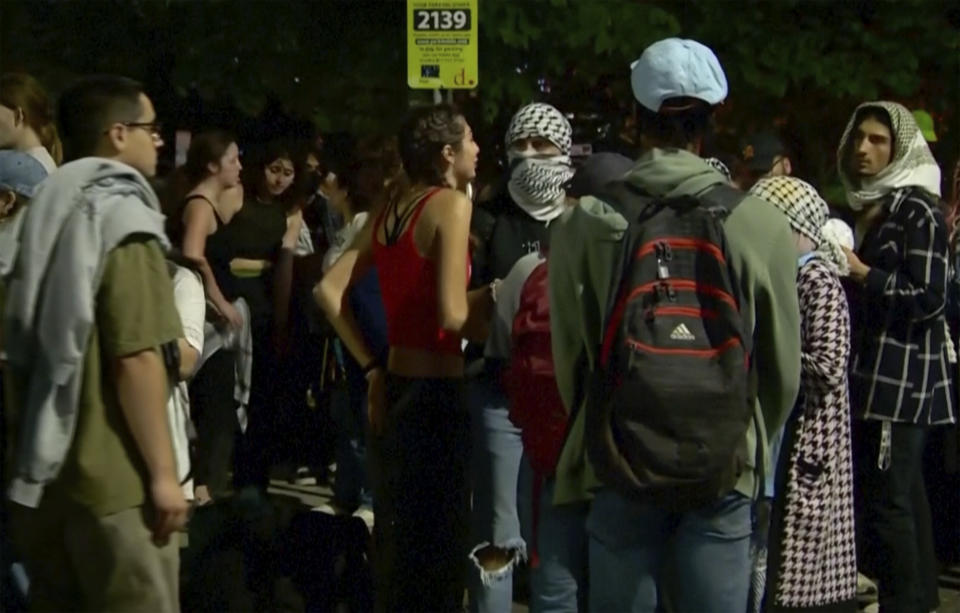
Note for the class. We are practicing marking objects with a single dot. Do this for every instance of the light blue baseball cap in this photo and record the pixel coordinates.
(677, 68)
(20, 173)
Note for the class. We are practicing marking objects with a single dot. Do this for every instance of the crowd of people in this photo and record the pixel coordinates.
(681, 382)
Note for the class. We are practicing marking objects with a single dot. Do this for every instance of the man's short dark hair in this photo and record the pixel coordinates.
(679, 123)
(90, 106)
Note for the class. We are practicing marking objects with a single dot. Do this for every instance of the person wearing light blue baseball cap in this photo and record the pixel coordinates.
(20, 174)
(638, 541)
(20, 178)
(674, 72)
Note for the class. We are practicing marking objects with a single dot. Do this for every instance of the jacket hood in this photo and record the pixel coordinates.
(595, 219)
(673, 172)
(105, 177)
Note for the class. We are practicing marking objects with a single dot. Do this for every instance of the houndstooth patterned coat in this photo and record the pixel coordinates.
(813, 561)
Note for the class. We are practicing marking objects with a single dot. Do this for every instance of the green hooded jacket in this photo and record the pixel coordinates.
(586, 243)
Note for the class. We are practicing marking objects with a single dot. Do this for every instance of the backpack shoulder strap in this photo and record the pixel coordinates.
(723, 196)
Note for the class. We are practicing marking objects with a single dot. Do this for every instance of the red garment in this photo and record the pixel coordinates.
(408, 285)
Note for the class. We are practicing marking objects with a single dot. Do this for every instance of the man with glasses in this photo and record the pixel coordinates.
(91, 327)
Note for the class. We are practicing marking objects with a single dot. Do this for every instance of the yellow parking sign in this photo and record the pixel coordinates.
(442, 44)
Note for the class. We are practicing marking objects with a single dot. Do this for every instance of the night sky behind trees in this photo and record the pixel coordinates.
(268, 67)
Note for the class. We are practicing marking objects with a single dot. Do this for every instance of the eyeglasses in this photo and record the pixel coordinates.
(153, 128)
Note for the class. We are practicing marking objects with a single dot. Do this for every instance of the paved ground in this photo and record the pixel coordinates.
(316, 495)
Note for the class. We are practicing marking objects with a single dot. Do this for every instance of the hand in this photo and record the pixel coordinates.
(233, 317)
(169, 508)
(376, 399)
(858, 270)
(294, 223)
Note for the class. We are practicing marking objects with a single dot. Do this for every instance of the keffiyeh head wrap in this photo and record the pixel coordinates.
(912, 165)
(537, 181)
(807, 213)
(543, 120)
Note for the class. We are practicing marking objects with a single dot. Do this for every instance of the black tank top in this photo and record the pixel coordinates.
(218, 250)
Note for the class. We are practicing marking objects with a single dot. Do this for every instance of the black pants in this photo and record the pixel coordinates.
(894, 537)
(215, 415)
(422, 497)
(257, 448)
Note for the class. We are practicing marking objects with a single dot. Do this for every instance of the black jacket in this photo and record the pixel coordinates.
(504, 234)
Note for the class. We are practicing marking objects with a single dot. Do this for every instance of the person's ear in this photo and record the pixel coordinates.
(449, 155)
(118, 136)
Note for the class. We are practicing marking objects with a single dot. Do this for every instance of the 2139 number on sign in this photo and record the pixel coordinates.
(440, 21)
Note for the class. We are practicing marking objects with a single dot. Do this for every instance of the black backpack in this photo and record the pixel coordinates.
(670, 404)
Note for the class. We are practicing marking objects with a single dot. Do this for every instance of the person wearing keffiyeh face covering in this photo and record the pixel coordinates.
(538, 149)
(515, 223)
(899, 376)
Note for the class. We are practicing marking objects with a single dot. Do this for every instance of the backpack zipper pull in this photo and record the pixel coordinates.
(663, 256)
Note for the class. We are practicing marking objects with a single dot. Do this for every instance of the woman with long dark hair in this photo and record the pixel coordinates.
(263, 236)
(203, 197)
(419, 244)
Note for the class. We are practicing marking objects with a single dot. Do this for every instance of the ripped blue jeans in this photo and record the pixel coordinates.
(495, 468)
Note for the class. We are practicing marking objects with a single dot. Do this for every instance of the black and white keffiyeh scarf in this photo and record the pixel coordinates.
(537, 181)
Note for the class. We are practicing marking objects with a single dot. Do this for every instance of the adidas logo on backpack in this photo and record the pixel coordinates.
(672, 399)
(682, 333)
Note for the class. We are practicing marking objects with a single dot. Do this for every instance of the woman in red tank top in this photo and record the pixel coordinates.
(416, 407)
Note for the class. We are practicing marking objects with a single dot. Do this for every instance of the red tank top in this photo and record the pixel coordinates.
(408, 286)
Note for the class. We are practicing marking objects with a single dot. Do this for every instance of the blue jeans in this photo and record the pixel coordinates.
(558, 584)
(497, 450)
(636, 547)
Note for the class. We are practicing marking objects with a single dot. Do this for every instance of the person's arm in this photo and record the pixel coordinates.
(332, 296)
(466, 315)
(192, 307)
(826, 329)
(198, 219)
(188, 358)
(142, 391)
(136, 314)
(332, 292)
(479, 311)
(918, 289)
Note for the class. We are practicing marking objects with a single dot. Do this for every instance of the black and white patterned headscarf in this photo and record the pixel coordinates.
(537, 181)
(807, 213)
